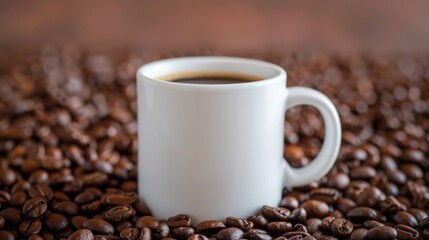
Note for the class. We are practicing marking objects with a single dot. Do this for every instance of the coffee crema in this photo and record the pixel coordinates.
(209, 78)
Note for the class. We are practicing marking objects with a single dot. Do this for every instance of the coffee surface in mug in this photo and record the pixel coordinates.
(209, 78)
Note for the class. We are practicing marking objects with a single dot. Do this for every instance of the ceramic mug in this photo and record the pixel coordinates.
(216, 150)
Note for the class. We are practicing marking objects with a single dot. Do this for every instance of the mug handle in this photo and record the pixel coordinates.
(331, 145)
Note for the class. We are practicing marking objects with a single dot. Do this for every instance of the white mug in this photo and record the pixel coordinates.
(216, 150)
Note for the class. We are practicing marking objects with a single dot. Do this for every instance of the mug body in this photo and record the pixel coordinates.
(210, 151)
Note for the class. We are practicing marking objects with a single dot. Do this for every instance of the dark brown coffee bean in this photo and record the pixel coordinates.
(120, 213)
(130, 234)
(56, 222)
(34, 207)
(81, 234)
(7, 177)
(313, 225)
(4, 197)
(77, 221)
(325, 226)
(18, 199)
(98, 226)
(182, 232)
(30, 227)
(370, 197)
(405, 218)
(162, 231)
(6, 235)
(345, 204)
(258, 221)
(359, 234)
(257, 234)
(362, 172)
(180, 220)
(289, 202)
(147, 221)
(298, 215)
(11, 215)
(278, 228)
(85, 198)
(392, 205)
(198, 237)
(2, 222)
(406, 232)
(418, 213)
(210, 227)
(95, 179)
(244, 225)
(67, 207)
(361, 214)
(121, 198)
(372, 224)
(341, 228)
(272, 213)
(315, 208)
(290, 235)
(39, 176)
(327, 195)
(41, 190)
(92, 207)
(231, 233)
(381, 233)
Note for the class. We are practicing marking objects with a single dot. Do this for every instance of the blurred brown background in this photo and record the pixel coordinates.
(238, 25)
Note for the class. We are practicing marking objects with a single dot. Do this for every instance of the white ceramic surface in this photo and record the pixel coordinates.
(212, 151)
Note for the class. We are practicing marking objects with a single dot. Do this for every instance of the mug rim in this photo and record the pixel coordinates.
(142, 72)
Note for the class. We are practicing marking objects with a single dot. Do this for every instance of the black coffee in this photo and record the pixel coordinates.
(210, 80)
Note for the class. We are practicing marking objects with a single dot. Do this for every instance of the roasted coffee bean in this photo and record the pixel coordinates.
(370, 197)
(293, 234)
(98, 226)
(405, 218)
(258, 221)
(11, 215)
(257, 234)
(298, 215)
(289, 202)
(4, 197)
(231, 233)
(315, 208)
(77, 221)
(278, 228)
(161, 231)
(299, 228)
(147, 221)
(120, 198)
(418, 214)
(345, 204)
(341, 228)
(406, 232)
(210, 227)
(18, 199)
(359, 234)
(92, 207)
(120, 213)
(67, 207)
(7, 176)
(39, 176)
(30, 227)
(326, 224)
(42, 191)
(313, 225)
(372, 224)
(361, 214)
(34, 207)
(6, 235)
(2, 222)
(381, 233)
(81, 234)
(198, 237)
(244, 225)
(182, 232)
(362, 172)
(275, 214)
(327, 195)
(56, 222)
(180, 220)
(130, 233)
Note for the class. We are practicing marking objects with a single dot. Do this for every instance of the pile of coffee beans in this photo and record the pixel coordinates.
(68, 150)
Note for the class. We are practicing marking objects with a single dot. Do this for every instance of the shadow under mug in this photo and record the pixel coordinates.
(216, 150)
